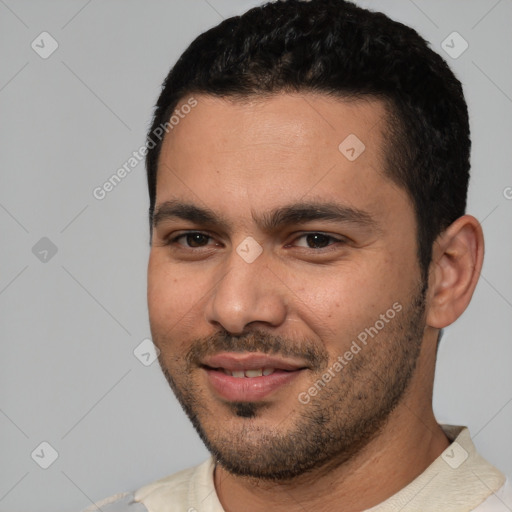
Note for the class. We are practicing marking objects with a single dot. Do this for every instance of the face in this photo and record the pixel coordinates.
(284, 289)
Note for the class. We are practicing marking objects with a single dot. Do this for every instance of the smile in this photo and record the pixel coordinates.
(248, 377)
(249, 373)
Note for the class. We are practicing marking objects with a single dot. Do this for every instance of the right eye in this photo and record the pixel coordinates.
(193, 239)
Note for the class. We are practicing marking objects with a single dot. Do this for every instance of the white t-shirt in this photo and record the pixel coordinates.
(459, 480)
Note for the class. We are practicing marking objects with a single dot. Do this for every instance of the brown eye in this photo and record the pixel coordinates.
(317, 240)
(193, 239)
(196, 239)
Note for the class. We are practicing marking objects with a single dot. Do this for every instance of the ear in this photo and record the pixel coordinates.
(457, 257)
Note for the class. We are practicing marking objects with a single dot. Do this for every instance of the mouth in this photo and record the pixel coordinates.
(249, 377)
(249, 374)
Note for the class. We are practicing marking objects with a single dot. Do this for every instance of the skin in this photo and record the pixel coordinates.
(241, 160)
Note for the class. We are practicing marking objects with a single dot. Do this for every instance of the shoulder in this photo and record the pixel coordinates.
(190, 489)
(124, 502)
(182, 491)
(499, 501)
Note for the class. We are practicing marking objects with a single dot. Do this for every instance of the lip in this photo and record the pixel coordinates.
(251, 361)
(246, 389)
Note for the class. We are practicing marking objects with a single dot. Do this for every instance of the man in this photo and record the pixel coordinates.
(309, 244)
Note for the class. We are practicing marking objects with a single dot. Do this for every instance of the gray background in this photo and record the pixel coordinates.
(70, 323)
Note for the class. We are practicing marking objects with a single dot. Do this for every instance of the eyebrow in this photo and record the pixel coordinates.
(295, 213)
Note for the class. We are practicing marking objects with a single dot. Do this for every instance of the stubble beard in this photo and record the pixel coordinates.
(334, 426)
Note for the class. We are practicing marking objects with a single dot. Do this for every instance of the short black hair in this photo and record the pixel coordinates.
(336, 48)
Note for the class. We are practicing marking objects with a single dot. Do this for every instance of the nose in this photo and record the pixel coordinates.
(246, 293)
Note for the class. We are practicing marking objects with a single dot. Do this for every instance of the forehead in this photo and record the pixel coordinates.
(264, 151)
(283, 122)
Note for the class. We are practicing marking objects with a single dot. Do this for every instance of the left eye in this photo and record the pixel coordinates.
(317, 240)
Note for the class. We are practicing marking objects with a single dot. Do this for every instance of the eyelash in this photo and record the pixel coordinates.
(174, 240)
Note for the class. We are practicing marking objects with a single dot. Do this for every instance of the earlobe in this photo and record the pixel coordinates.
(457, 257)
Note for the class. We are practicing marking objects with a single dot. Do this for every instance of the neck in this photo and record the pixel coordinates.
(409, 442)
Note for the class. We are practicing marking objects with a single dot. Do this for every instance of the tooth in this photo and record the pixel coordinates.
(254, 373)
(227, 372)
(268, 371)
(238, 374)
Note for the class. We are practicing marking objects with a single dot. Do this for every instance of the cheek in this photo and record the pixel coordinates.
(348, 298)
(324, 303)
(173, 296)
